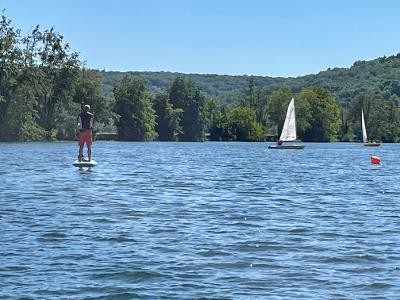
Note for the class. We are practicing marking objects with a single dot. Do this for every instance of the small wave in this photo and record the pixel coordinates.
(120, 296)
(116, 239)
(379, 285)
(52, 236)
(163, 230)
(104, 220)
(212, 253)
(298, 230)
(245, 224)
(14, 268)
(354, 259)
(126, 276)
(359, 270)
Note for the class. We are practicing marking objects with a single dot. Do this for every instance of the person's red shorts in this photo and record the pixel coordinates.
(85, 136)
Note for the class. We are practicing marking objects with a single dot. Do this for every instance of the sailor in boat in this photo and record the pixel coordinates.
(85, 120)
(279, 142)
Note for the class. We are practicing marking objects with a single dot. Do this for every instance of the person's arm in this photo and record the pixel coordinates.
(91, 121)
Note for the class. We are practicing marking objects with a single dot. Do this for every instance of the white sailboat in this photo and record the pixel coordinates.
(364, 133)
(288, 134)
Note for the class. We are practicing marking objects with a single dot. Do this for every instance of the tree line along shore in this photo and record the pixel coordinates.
(43, 84)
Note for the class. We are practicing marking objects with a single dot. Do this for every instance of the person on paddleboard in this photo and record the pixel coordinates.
(85, 120)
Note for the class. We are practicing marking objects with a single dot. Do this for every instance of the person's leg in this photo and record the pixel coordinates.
(89, 152)
(81, 143)
(80, 155)
(89, 144)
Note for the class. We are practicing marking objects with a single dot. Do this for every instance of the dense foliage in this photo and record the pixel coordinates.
(43, 83)
(184, 95)
(380, 77)
(167, 118)
(136, 117)
(377, 79)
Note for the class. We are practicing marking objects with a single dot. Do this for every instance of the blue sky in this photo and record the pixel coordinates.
(236, 37)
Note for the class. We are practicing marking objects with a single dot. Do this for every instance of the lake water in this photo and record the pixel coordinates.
(199, 220)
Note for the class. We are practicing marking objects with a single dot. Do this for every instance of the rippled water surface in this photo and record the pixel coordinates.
(200, 220)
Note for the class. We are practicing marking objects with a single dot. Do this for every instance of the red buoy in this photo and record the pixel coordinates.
(375, 160)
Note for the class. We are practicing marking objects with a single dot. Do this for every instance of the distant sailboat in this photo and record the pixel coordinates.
(288, 133)
(364, 133)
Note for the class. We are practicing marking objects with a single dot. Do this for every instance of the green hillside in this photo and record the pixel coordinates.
(380, 76)
(225, 87)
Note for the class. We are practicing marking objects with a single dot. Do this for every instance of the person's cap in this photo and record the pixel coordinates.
(87, 106)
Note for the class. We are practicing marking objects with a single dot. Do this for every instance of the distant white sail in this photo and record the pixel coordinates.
(364, 130)
(289, 127)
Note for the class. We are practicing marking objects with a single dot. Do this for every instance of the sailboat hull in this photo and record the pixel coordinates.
(286, 146)
(372, 144)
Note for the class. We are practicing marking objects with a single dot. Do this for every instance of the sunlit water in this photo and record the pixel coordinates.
(200, 220)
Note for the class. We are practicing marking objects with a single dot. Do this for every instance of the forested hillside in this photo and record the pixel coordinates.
(227, 88)
(380, 76)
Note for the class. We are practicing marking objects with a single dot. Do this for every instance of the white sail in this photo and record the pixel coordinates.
(364, 130)
(289, 127)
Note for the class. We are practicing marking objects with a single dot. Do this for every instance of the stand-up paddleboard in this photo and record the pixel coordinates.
(85, 164)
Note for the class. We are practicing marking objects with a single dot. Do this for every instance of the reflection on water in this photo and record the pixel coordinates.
(193, 220)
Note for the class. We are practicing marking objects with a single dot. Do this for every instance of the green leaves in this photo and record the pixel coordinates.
(321, 115)
(317, 113)
(168, 118)
(184, 95)
(244, 126)
(136, 117)
(38, 80)
(382, 118)
(277, 106)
